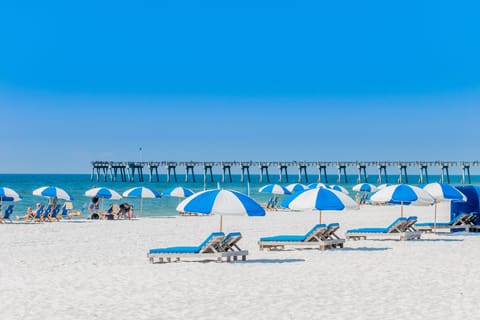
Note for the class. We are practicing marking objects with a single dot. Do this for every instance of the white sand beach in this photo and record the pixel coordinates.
(83, 269)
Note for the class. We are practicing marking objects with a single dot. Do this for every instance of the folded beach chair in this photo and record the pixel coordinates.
(459, 222)
(396, 230)
(45, 214)
(210, 248)
(314, 237)
(472, 218)
(53, 216)
(7, 214)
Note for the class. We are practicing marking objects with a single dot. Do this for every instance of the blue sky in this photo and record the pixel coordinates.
(231, 80)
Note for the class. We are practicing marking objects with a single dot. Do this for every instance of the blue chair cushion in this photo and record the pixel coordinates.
(431, 224)
(175, 250)
(232, 235)
(369, 230)
(394, 223)
(188, 249)
(284, 238)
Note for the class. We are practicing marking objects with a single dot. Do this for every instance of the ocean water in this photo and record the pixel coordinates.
(77, 184)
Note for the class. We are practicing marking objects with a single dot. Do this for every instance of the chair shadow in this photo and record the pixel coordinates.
(438, 240)
(273, 261)
(365, 249)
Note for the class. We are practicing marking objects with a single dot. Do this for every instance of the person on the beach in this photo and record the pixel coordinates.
(30, 215)
(94, 205)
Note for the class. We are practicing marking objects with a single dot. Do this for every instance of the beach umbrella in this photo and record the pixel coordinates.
(221, 202)
(296, 187)
(141, 192)
(383, 185)
(7, 194)
(316, 185)
(338, 188)
(443, 192)
(364, 187)
(402, 194)
(320, 199)
(274, 188)
(179, 192)
(104, 193)
(52, 192)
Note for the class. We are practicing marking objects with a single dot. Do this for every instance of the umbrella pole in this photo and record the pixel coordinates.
(401, 209)
(221, 223)
(435, 219)
(320, 215)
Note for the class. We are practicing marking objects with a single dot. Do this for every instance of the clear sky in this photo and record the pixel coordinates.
(237, 80)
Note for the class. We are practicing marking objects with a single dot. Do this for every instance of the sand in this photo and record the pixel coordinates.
(84, 269)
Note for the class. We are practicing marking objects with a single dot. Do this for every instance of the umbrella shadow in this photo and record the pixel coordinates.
(439, 240)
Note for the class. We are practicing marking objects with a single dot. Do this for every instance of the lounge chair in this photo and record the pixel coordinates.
(459, 222)
(45, 214)
(409, 226)
(396, 230)
(314, 237)
(7, 214)
(38, 214)
(210, 248)
(472, 218)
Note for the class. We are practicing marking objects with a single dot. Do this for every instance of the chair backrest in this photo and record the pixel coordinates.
(212, 243)
(55, 211)
(316, 232)
(331, 229)
(47, 210)
(231, 240)
(410, 222)
(39, 212)
(397, 225)
(472, 218)
(460, 219)
(8, 211)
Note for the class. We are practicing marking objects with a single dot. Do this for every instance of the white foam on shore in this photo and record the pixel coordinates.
(99, 270)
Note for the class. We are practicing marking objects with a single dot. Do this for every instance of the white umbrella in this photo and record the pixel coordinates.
(104, 193)
(7, 194)
(443, 192)
(338, 188)
(402, 194)
(365, 187)
(52, 192)
(296, 187)
(320, 199)
(221, 202)
(141, 192)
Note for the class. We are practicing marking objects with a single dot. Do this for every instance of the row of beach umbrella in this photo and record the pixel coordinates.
(229, 202)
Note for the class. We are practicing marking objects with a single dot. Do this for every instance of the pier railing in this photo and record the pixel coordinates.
(129, 170)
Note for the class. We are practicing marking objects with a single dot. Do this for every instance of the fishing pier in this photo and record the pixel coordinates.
(134, 171)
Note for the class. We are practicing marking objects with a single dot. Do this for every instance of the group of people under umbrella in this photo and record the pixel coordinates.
(222, 202)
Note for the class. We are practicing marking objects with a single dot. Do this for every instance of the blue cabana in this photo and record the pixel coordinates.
(471, 205)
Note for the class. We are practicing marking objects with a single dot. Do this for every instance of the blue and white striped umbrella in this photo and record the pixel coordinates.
(383, 185)
(274, 188)
(104, 193)
(338, 188)
(364, 187)
(402, 194)
(52, 192)
(316, 185)
(443, 192)
(296, 187)
(141, 192)
(179, 192)
(221, 202)
(7, 194)
(320, 199)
